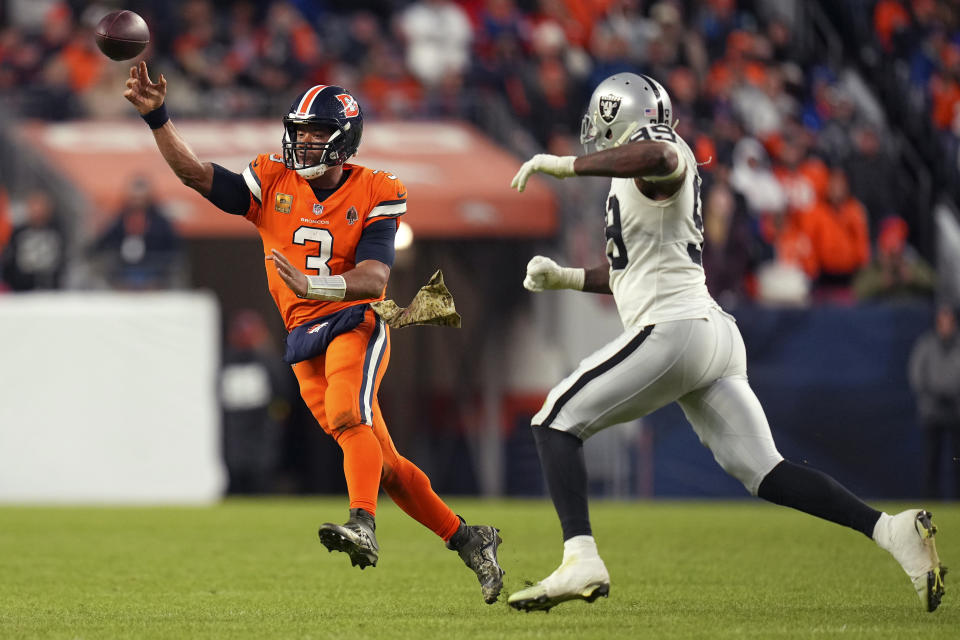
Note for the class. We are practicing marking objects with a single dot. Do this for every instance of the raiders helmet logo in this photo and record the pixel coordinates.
(352, 215)
(350, 107)
(609, 107)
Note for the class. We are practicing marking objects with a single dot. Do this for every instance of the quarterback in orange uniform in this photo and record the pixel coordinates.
(328, 236)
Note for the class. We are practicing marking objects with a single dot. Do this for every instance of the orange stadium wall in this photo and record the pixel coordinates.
(110, 398)
(458, 178)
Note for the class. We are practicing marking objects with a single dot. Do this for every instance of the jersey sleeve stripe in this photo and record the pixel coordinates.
(253, 182)
(386, 202)
(388, 210)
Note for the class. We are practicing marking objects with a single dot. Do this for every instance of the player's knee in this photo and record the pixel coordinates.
(341, 407)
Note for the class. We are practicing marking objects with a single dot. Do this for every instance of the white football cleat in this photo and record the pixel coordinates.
(582, 575)
(908, 536)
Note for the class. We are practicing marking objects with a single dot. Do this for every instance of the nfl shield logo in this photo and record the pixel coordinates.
(317, 209)
(609, 107)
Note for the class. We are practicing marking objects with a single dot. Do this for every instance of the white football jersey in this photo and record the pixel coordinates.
(654, 246)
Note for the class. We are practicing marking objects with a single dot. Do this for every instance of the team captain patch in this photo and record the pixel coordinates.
(283, 202)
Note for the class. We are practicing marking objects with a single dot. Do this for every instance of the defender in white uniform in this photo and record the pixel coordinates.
(677, 345)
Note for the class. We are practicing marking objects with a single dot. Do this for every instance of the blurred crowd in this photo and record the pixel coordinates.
(802, 194)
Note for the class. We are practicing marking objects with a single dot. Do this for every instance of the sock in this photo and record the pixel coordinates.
(881, 531)
(460, 536)
(561, 456)
(364, 516)
(816, 493)
(410, 489)
(580, 546)
(362, 462)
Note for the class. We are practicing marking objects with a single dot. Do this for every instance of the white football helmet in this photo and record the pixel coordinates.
(620, 105)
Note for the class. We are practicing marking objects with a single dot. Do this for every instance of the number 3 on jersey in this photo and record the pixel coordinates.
(616, 249)
(324, 238)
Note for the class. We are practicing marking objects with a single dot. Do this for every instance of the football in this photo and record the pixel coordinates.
(122, 35)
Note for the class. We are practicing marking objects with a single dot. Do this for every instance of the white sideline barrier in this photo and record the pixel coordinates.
(110, 398)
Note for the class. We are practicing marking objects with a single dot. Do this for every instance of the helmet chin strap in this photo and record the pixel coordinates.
(312, 172)
(633, 126)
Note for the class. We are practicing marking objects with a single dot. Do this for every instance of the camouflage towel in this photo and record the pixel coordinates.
(433, 304)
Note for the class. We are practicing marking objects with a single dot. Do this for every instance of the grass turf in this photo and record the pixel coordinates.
(254, 569)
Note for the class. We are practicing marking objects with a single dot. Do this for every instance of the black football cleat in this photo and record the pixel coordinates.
(356, 538)
(477, 547)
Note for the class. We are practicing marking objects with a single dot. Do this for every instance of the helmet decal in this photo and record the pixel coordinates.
(307, 101)
(350, 106)
(609, 107)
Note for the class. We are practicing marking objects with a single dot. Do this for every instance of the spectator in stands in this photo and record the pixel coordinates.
(785, 277)
(625, 19)
(141, 249)
(891, 22)
(438, 35)
(553, 92)
(896, 271)
(935, 380)
(289, 49)
(388, 88)
(256, 394)
(35, 255)
(716, 20)
(752, 178)
(873, 180)
(727, 246)
(803, 177)
(841, 243)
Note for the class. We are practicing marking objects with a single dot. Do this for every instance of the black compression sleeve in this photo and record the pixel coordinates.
(376, 242)
(229, 191)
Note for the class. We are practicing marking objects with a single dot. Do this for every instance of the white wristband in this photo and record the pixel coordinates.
(331, 288)
(565, 166)
(572, 278)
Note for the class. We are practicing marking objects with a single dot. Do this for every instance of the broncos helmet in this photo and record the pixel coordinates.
(322, 105)
(620, 105)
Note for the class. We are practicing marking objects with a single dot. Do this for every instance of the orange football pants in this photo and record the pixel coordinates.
(340, 388)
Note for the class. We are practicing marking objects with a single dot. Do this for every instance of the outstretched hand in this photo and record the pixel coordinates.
(142, 92)
(556, 166)
(291, 276)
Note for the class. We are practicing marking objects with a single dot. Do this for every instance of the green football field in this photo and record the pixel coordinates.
(254, 569)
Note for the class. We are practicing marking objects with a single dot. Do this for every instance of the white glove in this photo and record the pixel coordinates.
(544, 273)
(556, 166)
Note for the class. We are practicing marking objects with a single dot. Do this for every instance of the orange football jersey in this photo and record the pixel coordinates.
(319, 238)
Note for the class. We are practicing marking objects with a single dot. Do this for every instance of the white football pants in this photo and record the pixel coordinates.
(699, 363)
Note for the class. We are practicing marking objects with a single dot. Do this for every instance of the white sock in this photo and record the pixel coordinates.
(580, 546)
(881, 531)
